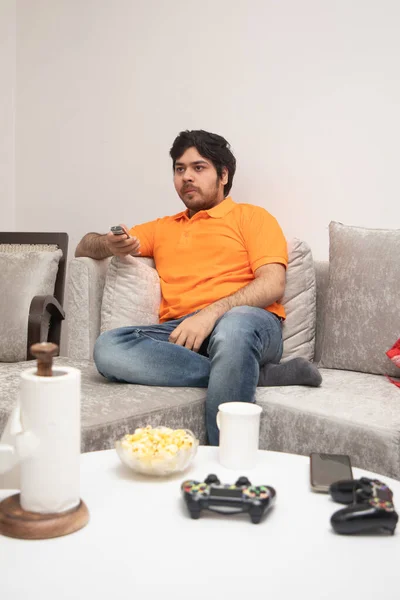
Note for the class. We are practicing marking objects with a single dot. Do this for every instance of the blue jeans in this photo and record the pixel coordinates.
(228, 362)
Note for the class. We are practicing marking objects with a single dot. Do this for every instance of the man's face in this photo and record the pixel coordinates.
(197, 182)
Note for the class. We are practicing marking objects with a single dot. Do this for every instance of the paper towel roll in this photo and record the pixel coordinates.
(50, 411)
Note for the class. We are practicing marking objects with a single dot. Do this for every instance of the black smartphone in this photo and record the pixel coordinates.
(118, 230)
(328, 468)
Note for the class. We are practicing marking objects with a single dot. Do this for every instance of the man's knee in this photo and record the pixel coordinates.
(238, 321)
(109, 351)
(235, 329)
(102, 351)
(246, 328)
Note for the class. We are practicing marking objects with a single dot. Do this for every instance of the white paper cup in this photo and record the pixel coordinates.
(239, 426)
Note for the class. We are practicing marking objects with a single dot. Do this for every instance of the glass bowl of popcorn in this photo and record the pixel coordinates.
(157, 451)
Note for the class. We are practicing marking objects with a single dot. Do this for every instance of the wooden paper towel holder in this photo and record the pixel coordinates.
(19, 523)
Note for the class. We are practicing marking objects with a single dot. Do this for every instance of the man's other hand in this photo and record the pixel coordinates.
(192, 332)
(122, 245)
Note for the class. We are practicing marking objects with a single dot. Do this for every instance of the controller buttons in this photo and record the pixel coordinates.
(259, 492)
(382, 504)
(188, 486)
(250, 492)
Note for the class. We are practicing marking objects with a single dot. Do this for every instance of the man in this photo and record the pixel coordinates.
(222, 271)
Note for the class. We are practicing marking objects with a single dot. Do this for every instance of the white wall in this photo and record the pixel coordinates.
(7, 114)
(308, 94)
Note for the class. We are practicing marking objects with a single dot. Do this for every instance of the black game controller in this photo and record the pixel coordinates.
(228, 499)
(371, 506)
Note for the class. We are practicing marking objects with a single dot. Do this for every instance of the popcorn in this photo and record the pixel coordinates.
(161, 443)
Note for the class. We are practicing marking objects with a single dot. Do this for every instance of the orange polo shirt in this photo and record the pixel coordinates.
(211, 255)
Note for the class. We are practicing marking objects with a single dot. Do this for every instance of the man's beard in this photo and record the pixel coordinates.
(202, 203)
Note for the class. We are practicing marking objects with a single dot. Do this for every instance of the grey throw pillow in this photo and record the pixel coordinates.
(23, 275)
(299, 301)
(363, 304)
(132, 293)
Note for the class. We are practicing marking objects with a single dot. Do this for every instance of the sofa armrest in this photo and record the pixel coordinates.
(86, 280)
(322, 281)
(44, 321)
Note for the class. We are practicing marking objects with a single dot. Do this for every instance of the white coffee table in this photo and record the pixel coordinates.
(141, 543)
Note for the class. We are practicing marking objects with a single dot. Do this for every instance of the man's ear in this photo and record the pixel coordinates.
(224, 176)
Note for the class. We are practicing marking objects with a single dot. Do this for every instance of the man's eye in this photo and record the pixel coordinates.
(179, 169)
(199, 168)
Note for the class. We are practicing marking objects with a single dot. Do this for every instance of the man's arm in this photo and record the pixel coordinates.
(267, 287)
(99, 246)
(93, 245)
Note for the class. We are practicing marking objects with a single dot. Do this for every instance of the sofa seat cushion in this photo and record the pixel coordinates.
(109, 410)
(351, 413)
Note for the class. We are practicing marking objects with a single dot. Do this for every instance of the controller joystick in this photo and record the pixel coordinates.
(242, 482)
(211, 479)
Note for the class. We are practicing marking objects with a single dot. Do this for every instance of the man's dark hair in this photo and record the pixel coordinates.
(211, 146)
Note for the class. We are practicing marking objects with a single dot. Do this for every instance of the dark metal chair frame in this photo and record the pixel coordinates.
(46, 313)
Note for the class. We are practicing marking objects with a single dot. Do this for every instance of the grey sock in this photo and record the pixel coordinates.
(297, 371)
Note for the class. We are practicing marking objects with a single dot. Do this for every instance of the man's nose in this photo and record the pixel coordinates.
(188, 175)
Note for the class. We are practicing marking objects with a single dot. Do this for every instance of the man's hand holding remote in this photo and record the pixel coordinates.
(123, 244)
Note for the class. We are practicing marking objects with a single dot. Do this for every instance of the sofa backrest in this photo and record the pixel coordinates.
(321, 279)
(86, 281)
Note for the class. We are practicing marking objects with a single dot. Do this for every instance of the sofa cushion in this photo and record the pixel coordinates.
(321, 281)
(351, 413)
(109, 410)
(86, 279)
(23, 275)
(362, 316)
(132, 296)
(299, 300)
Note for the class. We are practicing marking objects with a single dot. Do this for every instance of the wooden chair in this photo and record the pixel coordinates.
(46, 313)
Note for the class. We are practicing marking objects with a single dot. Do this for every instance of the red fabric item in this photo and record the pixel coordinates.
(394, 355)
(396, 383)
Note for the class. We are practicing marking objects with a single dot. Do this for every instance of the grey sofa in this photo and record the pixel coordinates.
(352, 412)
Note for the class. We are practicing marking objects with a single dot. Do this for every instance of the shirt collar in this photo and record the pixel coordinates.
(217, 212)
